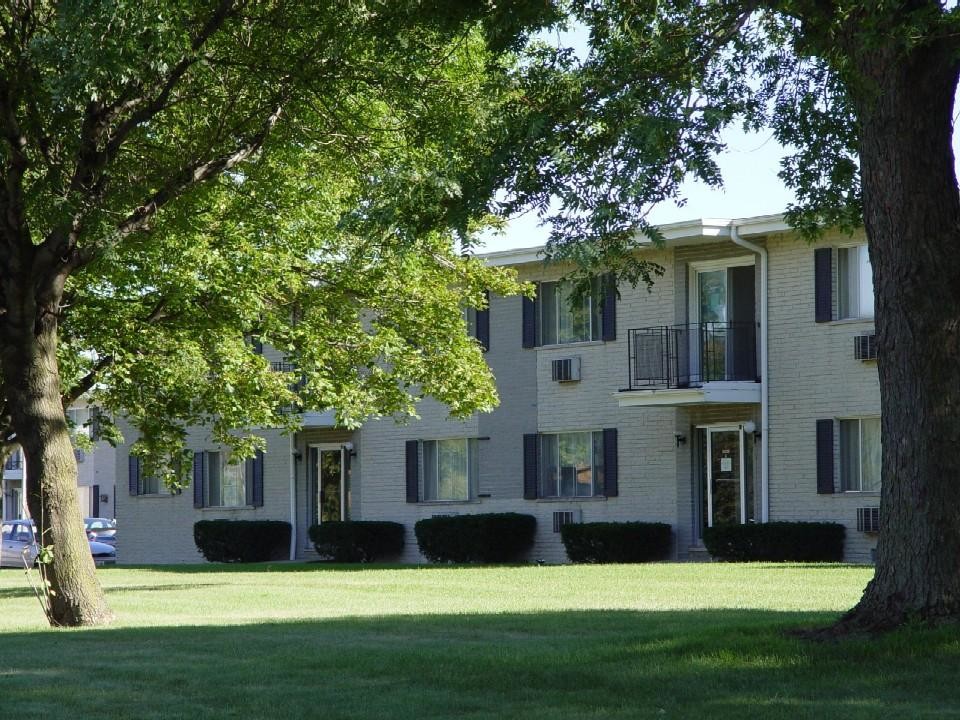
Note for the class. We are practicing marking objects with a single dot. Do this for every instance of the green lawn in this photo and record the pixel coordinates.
(661, 641)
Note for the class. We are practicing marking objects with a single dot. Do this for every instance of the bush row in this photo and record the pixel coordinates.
(356, 540)
(484, 538)
(242, 540)
(776, 541)
(616, 542)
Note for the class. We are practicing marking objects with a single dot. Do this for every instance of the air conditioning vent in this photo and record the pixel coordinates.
(443, 515)
(566, 369)
(865, 347)
(565, 517)
(868, 519)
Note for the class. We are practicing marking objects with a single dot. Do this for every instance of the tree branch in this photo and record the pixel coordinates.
(86, 382)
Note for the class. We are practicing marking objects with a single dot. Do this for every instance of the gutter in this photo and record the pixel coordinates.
(764, 375)
(293, 499)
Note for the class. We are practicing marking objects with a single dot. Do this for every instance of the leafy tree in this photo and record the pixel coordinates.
(864, 92)
(183, 176)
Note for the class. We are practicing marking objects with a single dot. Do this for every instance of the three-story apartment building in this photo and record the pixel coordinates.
(740, 388)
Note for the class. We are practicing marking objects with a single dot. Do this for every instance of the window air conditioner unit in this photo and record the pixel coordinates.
(443, 515)
(566, 369)
(865, 347)
(565, 517)
(868, 519)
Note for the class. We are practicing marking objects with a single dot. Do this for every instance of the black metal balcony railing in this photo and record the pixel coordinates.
(680, 356)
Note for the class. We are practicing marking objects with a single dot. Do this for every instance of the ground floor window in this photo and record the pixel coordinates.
(450, 469)
(226, 486)
(860, 455)
(572, 464)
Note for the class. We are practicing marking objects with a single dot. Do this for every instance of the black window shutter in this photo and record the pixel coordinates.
(413, 471)
(825, 484)
(95, 510)
(611, 484)
(529, 322)
(823, 284)
(133, 467)
(608, 317)
(531, 465)
(95, 423)
(199, 477)
(483, 325)
(256, 497)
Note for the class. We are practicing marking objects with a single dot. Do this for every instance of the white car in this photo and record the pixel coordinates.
(19, 543)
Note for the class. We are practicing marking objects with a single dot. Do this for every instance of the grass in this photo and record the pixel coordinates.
(657, 641)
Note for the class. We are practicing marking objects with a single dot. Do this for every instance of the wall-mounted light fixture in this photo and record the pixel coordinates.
(348, 446)
(680, 438)
(297, 456)
(750, 427)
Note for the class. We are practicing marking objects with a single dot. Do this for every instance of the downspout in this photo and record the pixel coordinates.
(293, 498)
(764, 375)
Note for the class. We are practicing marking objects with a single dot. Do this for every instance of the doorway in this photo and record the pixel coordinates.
(725, 464)
(328, 484)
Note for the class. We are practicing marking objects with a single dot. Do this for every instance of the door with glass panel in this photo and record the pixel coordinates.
(327, 484)
(726, 481)
(722, 335)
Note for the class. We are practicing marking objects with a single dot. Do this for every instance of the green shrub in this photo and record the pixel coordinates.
(357, 541)
(242, 540)
(616, 542)
(485, 538)
(776, 541)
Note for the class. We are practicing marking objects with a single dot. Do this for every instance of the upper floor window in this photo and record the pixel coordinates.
(854, 283)
(571, 464)
(565, 320)
(860, 455)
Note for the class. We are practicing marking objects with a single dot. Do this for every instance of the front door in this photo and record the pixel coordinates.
(726, 489)
(327, 486)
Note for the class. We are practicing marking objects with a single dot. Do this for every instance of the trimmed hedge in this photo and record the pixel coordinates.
(776, 541)
(483, 538)
(353, 541)
(242, 540)
(616, 542)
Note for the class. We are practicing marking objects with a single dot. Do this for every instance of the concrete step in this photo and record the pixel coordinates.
(698, 553)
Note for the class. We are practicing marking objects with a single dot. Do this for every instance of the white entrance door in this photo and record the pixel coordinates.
(726, 478)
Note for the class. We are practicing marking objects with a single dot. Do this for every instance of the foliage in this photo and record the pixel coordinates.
(616, 542)
(484, 538)
(242, 541)
(355, 541)
(776, 541)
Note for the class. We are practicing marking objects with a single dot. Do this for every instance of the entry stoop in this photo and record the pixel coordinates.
(699, 553)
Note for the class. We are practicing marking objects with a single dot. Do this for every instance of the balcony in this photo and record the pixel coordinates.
(709, 362)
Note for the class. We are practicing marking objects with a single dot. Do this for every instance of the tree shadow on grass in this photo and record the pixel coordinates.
(559, 665)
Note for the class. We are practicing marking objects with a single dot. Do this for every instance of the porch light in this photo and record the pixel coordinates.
(680, 438)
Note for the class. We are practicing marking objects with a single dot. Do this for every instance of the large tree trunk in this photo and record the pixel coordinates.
(32, 386)
(912, 217)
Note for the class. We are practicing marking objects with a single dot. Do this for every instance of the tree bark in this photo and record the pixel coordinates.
(32, 386)
(912, 219)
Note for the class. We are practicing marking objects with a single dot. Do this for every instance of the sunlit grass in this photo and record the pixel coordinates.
(533, 642)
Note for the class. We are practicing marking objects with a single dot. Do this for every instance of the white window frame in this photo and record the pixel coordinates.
(594, 331)
(859, 485)
(596, 491)
(472, 470)
(222, 458)
(849, 293)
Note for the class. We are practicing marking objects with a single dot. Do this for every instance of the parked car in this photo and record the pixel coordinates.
(101, 530)
(19, 542)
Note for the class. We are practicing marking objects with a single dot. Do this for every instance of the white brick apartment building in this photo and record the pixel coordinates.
(738, 389)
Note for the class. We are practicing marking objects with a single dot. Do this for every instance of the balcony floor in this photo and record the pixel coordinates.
(727, 392)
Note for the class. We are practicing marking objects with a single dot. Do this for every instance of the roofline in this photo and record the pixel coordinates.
(678, 233)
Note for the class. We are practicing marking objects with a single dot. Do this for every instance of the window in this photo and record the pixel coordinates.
(79, 420)
(854, 283)
(226, 486)
(571, 464)
(450, 469)
(151, 486)
(563, 320)
(860, 455)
